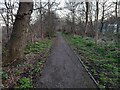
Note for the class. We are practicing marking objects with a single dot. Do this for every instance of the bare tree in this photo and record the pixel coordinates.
(116, 16)
(87, 12)
(103, 14)
(8, 15)
(16, 44)
(105, 9)
(50, 18)
(81, 18)
(40, 10)
(90, 30)
(72, 7)
(96, 20)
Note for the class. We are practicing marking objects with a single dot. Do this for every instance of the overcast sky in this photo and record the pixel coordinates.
(62, 4)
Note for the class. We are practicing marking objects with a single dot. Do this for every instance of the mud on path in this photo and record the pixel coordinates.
(63, 69)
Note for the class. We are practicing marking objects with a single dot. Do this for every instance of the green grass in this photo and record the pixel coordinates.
(37, 47)
(102, 60)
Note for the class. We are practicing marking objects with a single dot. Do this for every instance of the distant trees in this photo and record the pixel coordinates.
(46, 18)
(93, 19)
(96, 21)
(36, 30)
(14, 49)
(89, 19)
(49, 20)
(8, 15)
(116, 17)
(50, 23)
(72, 7)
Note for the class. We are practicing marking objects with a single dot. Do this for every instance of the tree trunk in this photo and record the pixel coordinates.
(102, 23)
(14, 50)
(86, 24)
(97, 12)
(49, 21)
(73, 21)
(116, 15)
(41, 19)
(7, 24)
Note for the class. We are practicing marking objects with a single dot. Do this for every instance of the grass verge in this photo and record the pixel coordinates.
(102, 60)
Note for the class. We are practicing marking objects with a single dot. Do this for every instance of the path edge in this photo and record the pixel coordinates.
(91, 76)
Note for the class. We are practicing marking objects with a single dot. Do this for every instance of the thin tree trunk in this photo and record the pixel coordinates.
(86, 24)
(49, 20)
(102, 23)
(7, 24)
(97, 12)
(73, 21)
(41, 20)
(116, 15)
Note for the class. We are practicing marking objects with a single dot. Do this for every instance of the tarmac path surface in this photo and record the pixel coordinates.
(63, 69)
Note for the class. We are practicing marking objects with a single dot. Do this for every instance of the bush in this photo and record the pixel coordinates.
(25, 83)
(4, 75)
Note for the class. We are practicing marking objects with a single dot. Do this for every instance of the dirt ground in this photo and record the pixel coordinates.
(63, 69)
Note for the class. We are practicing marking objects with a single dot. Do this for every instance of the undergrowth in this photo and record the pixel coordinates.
(101, 60)
(22, 75)
(37, 47)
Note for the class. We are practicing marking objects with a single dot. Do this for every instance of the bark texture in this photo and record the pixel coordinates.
(16, 44)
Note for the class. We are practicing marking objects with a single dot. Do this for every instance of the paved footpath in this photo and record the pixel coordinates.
(63, 69)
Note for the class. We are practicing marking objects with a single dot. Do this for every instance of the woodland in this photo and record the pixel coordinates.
(32, 30)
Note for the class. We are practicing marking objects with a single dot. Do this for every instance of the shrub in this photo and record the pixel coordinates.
(4, 75)
(25, 83)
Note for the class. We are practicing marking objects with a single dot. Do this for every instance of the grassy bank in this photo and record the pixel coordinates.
(23, 74)
(101, 61)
